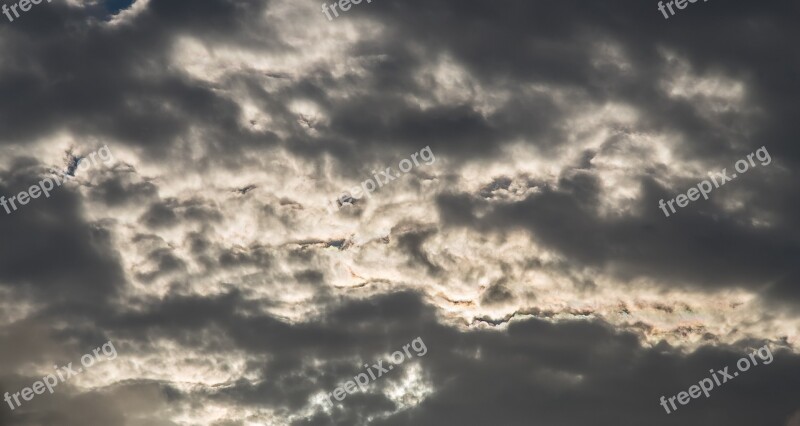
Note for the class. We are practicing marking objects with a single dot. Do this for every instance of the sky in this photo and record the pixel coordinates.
(208, 250)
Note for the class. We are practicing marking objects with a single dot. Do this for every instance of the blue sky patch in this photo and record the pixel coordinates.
(115, 6)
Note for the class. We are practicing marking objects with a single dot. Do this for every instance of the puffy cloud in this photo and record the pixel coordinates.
(531, 256)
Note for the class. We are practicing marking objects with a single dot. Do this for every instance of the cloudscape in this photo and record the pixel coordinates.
(399, 212)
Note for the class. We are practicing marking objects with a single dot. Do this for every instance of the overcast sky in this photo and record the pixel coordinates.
(530, 255)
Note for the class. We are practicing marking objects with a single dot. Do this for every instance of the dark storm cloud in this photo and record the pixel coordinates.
(49, 250)
(63, 71)
(165, 263)
(287, 347)
(698, 246)
(528, 47)
(122, 190)
(570, 373)
(105, 81)
(551, 43)
(555, 44)
(454, 126)
(170, 212)
(497, 293)
(573, 374)
(411, 241)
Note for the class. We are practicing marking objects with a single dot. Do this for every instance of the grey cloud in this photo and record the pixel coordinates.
(527, 75)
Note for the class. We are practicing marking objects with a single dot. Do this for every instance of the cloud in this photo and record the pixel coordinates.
(531, 257)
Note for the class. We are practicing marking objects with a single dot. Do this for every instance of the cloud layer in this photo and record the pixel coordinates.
(531, 257)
